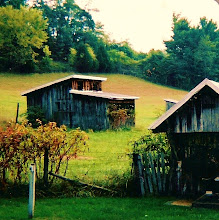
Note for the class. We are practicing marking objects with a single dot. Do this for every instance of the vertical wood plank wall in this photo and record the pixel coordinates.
(72, 110)
(200, 114)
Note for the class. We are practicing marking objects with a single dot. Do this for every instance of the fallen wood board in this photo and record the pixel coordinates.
(79, 182)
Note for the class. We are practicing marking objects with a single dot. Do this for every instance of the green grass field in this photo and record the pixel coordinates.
(105, 163)
(106, 149)
(150, 102)
(107, 156)
(103, 208)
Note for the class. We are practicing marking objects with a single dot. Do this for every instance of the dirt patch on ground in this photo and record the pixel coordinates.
(80, 158)
(186, 203)
(83, 158)
(182, 203)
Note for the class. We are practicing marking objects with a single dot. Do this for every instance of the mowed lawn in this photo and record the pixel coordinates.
(103, 209)
(106, 157)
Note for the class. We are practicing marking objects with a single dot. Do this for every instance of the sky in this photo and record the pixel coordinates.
(145, 24)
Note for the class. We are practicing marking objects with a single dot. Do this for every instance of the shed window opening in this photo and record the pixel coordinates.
(58, 106)
(80, 85)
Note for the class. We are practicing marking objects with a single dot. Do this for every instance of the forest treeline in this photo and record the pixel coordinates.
(58, 36)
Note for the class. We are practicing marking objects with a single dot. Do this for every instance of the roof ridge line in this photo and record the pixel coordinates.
(175, 107)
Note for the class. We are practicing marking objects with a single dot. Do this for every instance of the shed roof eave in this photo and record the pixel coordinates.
(206, 82)
(105, 95)
(25, 93)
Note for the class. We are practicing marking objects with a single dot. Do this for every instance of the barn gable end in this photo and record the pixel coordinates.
(192, 128)
(198, 111)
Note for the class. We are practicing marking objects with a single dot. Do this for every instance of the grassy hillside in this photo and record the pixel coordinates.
(106, 157)
(147, 107)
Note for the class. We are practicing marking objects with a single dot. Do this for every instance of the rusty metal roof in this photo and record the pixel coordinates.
(206, 82)
(105, 95)
(62, 80)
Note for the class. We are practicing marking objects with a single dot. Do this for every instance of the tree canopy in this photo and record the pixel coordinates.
(58, 35)
(22, 32)
(14, 3)
(193, 51)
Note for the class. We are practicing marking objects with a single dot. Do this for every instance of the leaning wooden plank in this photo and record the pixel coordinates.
(158, 174)
(153, 171)
(144, 173)
(148, 173)
(79, 182)
(141, 181)
(163, 171)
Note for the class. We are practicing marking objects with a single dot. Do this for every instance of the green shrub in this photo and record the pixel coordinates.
(120, 117)
(35, 114)
(151, 142)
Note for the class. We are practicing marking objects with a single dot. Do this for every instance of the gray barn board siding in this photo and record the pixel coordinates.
(200, 115)
(86, 107)
(192, 128)
(196, 112)
(75, 111)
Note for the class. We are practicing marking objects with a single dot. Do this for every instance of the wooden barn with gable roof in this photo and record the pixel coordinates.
(78, 101)
(192, 126)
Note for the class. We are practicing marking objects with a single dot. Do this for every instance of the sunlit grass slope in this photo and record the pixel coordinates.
(147, 107)
(106, 157)
(151, 96)
(11, 86)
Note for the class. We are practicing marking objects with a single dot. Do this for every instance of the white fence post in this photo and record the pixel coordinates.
(31, 203)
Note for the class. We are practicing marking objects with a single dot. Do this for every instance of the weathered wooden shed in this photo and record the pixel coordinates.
(78, 101)
(192, 126)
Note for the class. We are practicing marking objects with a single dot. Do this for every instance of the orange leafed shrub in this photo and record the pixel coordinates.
(21, 145)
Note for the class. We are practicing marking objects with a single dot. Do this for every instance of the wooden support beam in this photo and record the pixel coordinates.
(79, 182)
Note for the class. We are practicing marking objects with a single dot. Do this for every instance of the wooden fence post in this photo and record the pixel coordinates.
(31, 203)
(153, 171)
(148, 173)
(141, 178)
(17, 113)
(179, 174)
(138, 172)
(163, 171)
(46, 166)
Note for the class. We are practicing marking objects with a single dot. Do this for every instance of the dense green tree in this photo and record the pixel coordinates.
(121, 63)
(22, 31)
(72, 57)
(86, 60)
(74, 41)
(14, 3)
(193, 52)
(68, 25)
(125, 47)
(154, 66)
(103, 58)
